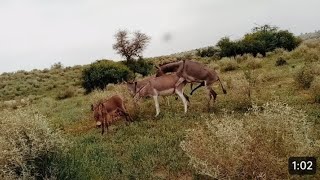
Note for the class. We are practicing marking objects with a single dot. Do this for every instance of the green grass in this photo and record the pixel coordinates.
(149, 148)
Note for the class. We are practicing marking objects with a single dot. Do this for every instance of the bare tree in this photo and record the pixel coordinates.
(130, 48)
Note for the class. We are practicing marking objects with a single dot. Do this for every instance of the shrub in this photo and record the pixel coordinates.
(312, 55)
(315, 90)
(207, 52)
(281, 61)
(101, 73)
(260, 41)
(239, 95)
(57, 65)
(253, 63)
(28, 146)
(227, 64)
(67, 93)
(259, 55)
(141, 66)
(256, 146)
(304, 77)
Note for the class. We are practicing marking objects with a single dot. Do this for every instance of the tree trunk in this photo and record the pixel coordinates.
(129, 59)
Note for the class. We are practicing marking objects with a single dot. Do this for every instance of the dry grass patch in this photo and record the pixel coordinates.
(304, 77)
(228, 64)
(315, 90)
(254, 146)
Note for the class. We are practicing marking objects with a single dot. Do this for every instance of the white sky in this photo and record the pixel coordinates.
(39, 33)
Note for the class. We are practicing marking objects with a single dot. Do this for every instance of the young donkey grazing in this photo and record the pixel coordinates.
(105, 111)
(161, 86)
(191, 72)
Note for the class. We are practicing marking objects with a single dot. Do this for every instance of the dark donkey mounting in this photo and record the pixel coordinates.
(193, 72)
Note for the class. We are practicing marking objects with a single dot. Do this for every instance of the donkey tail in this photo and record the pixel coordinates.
(223, 89)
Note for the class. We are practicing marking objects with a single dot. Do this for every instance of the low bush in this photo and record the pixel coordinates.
(67, 93)
(239, 96)
(253, 63)
(312, 55)
(228, 64)
(315, 90)
(28, 146)
(99, 74)
(304, 77)
(256, 146)
(281, 61)
(243, 58)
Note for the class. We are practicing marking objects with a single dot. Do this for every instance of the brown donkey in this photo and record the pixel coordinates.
(105, 111)
(135, 86)
(162, 86)
(192, 72)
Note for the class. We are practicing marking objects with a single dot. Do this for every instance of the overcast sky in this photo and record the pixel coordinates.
(39, 33)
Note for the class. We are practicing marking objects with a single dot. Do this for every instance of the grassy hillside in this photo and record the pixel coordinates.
(176, 145)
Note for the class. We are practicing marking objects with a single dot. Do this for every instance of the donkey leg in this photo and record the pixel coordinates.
(103, 126)
(214, 95)
(181, 80)
(167, 100)
(156, 102)
(125, 112)
(187, 97)
(122, 113)
(185, 103)
(210, 96)
(200, 85)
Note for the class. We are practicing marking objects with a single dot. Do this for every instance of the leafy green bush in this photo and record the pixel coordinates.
(254, 146)
(101, 73)
(140, 66)
(28, 146)
(304, 77)
(262, 40)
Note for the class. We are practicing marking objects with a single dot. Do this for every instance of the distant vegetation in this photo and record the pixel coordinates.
(35, 84)
(307, 36)
(260, 41)
(140, 66)
(104, 72)
(130, 48)
(207, 52)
